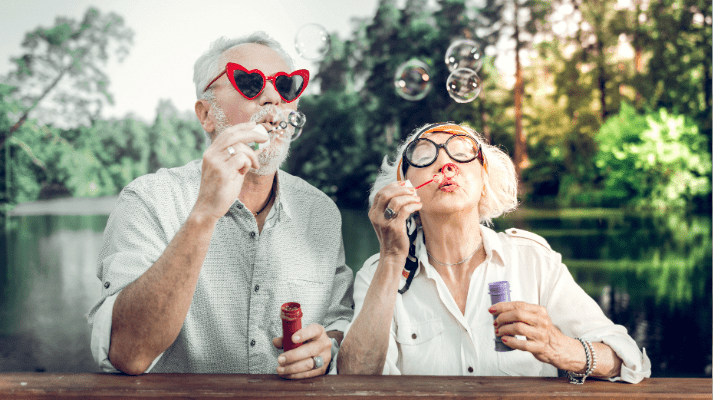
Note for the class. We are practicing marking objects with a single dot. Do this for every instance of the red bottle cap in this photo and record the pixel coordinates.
(291, 311)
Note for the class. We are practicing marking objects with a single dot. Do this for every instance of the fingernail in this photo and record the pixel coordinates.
(296, 339)
(496, 331)
(495, 323)
(280, 359)
(280, 370)
(491, 310)
(504, 340)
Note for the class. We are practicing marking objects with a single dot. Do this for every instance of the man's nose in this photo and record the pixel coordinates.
(269, 95)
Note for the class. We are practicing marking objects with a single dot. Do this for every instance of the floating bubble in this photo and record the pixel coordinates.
(412, 80)
(464, 53)
(297, 119)
(463, 85)
(312, 42)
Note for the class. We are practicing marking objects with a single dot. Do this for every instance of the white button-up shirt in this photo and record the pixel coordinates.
(431, 336)
(246, 275)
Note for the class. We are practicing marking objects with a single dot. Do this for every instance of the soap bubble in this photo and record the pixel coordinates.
(464, 53)
(297, 119)
(463, 85)
(312, 42)
(412, 80)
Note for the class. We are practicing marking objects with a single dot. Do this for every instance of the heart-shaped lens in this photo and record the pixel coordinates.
(289, 87)
(250, 84)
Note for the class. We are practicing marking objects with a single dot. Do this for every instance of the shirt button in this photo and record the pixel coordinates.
(252, 235)
(470, 369)
(257, 287)
(413, 336)
(252, 342)
(106, 285)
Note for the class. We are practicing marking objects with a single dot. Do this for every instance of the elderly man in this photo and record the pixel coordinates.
(197, 260)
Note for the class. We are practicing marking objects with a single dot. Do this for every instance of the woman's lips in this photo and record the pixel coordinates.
(448, 185)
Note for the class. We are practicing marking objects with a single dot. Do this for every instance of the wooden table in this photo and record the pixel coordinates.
(107, 386)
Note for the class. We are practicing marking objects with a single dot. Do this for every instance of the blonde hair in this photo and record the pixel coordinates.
(499, 177)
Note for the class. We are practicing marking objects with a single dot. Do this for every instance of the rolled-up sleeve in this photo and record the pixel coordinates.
(132, 243)
(101, 336)
(576, 314)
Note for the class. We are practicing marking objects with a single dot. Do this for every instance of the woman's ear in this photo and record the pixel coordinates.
(202, 109)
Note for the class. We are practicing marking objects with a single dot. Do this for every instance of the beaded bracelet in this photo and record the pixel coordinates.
(576, 378)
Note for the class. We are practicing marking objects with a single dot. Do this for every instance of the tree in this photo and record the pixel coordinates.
(62, 68)
(517, 21)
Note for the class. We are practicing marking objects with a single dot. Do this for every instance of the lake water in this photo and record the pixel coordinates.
(650, 274)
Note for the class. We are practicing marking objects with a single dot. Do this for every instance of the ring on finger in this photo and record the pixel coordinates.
(231, 151)
(389, 213)
(318, 362)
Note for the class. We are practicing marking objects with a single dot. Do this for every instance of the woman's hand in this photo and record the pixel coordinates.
(544, 340)
(393, 239)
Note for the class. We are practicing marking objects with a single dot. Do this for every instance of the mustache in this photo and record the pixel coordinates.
(268, 110)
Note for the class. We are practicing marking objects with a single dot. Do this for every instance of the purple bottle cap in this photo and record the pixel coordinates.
(499, 288)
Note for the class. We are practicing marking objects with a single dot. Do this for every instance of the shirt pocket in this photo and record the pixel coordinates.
(519, 363)
(313, 295)
(419, 346)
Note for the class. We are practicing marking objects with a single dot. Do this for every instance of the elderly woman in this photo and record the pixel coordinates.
(422, 305)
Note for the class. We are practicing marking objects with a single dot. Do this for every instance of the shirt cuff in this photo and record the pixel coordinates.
(635, 364)
(332, 367)
(101, 336)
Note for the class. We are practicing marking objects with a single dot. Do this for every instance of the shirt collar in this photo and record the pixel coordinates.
(282, 199)
(491, 242)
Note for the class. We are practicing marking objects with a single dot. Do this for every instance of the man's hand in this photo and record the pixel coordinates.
(299, 363)
(223, 174)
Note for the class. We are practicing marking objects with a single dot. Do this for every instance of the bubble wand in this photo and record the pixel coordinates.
(448, 171)
(296, 118)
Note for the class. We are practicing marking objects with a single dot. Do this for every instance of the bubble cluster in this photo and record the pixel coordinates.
(312, 42)
(464, 53)
(463, 85)
(412, 80)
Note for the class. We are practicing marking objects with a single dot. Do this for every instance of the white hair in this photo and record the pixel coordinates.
(212, 62)
(500, 178)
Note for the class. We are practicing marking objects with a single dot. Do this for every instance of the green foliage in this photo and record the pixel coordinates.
(657, 160)
(60, 75)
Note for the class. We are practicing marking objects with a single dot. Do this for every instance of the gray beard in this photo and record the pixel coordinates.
(271, 157)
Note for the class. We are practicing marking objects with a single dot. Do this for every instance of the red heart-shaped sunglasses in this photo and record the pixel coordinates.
(251, 83)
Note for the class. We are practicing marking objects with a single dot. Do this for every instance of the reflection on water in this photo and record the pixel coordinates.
(48, 284)
(650, 274)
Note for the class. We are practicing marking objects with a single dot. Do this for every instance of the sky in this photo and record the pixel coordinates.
(170, 35)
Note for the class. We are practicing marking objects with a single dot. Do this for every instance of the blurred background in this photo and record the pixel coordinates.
(605, 107)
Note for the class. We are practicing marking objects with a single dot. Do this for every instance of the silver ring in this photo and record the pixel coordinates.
(318, 362)
(231, 151)
(389, 213)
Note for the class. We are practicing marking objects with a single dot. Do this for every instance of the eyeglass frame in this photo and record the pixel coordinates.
(231, 67)
(429, 129)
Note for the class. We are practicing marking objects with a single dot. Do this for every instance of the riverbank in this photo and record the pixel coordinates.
(67, 206)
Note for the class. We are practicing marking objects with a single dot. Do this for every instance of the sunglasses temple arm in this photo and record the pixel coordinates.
(213, 81)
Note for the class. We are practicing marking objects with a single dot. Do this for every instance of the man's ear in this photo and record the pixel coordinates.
(203, 113)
